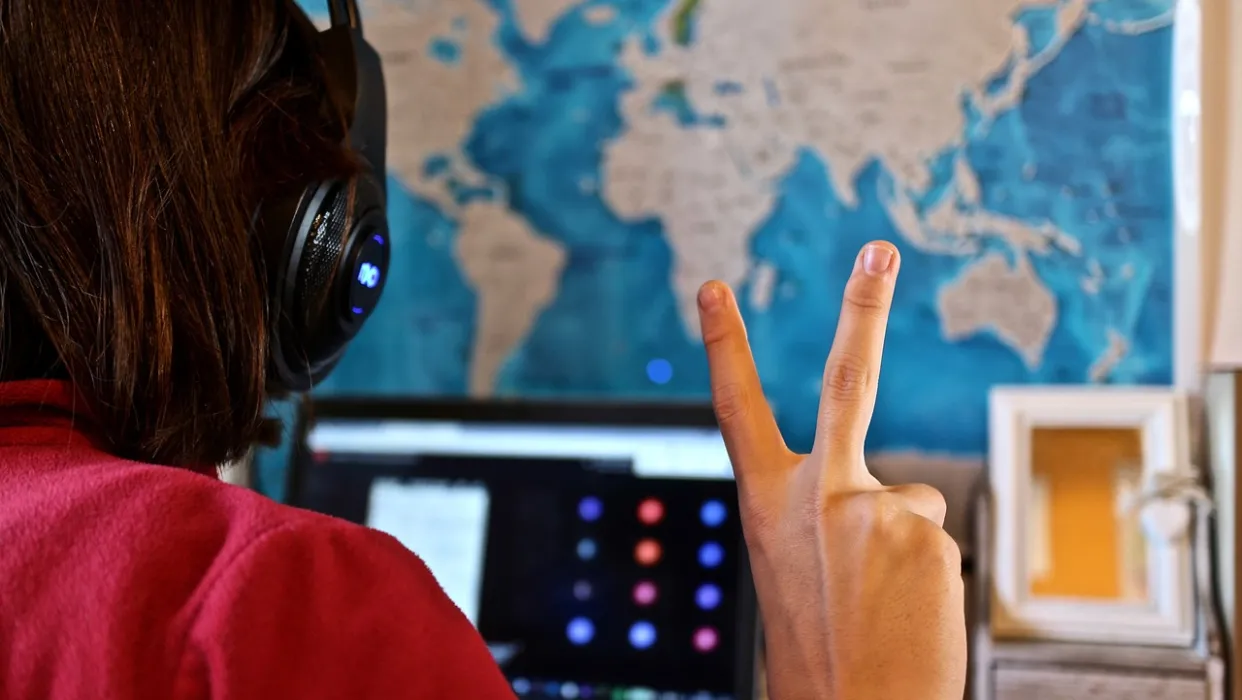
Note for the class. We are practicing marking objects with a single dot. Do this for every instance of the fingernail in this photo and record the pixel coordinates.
(876, 259)
(710, 297)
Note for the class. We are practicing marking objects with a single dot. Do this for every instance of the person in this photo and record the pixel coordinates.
(138, 139)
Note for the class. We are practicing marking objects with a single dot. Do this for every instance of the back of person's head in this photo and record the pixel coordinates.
(137, 138)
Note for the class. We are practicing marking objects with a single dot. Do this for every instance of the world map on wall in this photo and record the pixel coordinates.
(564, 174)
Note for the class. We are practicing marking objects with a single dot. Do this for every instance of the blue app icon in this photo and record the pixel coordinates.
(590, 509)
(713, 513)
(580, 631)
(642, 634)
(710, 555)
(707, 596)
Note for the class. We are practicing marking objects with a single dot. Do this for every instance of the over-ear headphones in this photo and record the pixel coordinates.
(326, 248)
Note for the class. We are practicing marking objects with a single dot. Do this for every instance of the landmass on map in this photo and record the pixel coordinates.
(854, 83)
(438, 92)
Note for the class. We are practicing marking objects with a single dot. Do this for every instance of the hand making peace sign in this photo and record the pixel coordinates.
(859, 585)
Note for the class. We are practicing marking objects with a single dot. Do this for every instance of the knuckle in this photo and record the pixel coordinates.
(731, 402)
(934, 547)
(887, 510)
(928, 496)
(881, 518)
(715, 335)
(868, 511)
(846, 377)
(866, 296)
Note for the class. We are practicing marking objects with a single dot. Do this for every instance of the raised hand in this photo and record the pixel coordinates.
(859, 585)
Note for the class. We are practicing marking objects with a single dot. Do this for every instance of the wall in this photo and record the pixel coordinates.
(1222, 107)
(1221, 400)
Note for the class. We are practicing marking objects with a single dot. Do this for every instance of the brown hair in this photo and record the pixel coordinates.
(136, 140)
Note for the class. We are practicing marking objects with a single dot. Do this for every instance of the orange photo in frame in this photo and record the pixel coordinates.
(1085, 540)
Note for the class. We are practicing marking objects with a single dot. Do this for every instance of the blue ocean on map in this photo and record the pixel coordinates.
(1094, 122)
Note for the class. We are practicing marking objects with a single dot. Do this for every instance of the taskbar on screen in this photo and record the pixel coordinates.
(569, 690)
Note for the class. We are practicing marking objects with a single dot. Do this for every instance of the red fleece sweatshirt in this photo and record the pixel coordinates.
(126, 580)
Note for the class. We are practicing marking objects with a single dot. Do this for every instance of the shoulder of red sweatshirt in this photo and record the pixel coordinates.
(127, 580)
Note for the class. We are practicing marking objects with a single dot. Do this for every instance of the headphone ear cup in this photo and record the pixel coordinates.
(314, 311)
(326, 258)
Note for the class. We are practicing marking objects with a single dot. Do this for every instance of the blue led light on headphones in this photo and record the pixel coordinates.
(368, 275)
(371, 260)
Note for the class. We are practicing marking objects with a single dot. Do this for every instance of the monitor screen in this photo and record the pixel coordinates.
(597, 561)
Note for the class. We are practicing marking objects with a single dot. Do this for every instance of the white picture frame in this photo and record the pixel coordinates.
(1165, 616)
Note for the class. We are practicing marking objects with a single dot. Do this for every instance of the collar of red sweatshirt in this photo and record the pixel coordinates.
(51, 412)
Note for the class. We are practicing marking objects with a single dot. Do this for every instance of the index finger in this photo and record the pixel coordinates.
(852, 372)
(746, 422)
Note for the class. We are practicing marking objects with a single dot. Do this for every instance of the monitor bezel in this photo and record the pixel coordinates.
(526, 411)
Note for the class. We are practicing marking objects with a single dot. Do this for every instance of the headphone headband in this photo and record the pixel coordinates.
(357, 78)
(345, 13)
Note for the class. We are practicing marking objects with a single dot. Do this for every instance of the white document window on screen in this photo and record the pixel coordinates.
(445, 525)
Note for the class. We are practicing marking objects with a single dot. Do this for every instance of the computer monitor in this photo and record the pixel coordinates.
(596, 548)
